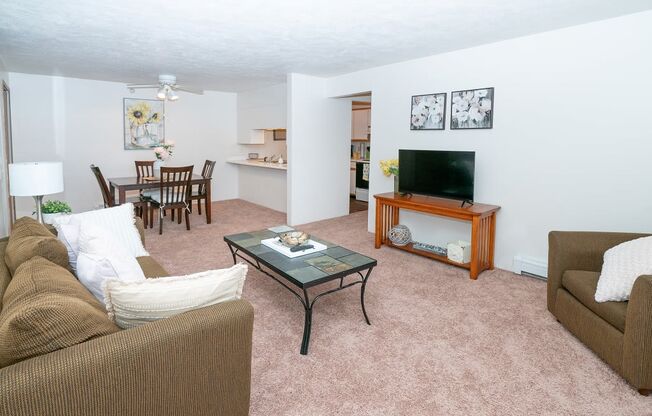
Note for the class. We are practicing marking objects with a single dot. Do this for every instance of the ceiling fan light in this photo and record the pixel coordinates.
(172, 95)
(161, 93)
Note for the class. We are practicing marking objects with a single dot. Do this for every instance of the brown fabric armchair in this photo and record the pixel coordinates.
(196, 363)
(618, 332)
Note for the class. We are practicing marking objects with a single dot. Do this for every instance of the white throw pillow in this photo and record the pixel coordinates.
(135, 303)
(101, 258)
(68, 234)
(622, 265)
(119, 220)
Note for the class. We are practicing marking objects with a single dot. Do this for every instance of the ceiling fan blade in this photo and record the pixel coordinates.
(142, 85)
(190, 90)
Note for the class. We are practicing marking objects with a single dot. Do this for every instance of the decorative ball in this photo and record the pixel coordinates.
(400, 235)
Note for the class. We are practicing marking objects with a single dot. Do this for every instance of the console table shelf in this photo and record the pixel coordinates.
(426, 253)
(481, 216)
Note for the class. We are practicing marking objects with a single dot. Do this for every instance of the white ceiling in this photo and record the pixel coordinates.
(237, 45)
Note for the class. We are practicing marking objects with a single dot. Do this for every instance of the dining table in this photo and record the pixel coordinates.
(137, 183)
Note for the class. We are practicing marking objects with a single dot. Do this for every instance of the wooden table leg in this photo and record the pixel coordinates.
(121, 195)
(379, 221)
(395, 215)
(208, 201)
(475, 241)
(492, 240)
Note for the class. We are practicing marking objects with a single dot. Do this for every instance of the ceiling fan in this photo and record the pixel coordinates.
(167, 88)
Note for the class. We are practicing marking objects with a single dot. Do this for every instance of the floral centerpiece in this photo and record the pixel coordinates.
(163, 153)
(389, 168)
(165, 150)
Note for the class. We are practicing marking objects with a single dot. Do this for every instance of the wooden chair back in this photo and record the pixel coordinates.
(106, 195)
(144, 168)
(175, 185)
(207, 172)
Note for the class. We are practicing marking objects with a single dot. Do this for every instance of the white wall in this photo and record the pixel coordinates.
(319, 140)
(263, 108)
(80, 122)
(571, 143)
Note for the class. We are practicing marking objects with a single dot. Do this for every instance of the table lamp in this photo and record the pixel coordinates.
(35, 179)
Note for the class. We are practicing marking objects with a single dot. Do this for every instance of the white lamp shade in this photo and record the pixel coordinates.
(35, 178)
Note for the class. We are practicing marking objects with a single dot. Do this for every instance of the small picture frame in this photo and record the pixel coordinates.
(428, 112)
(472, 109)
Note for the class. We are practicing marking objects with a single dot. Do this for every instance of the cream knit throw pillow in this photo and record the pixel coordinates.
(135, 303)
(622, 265)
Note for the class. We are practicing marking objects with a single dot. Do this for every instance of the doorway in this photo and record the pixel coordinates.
(7, 207)
(360, 153)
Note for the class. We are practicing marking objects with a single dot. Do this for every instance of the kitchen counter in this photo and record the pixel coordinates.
(263, 183)
(259, 164)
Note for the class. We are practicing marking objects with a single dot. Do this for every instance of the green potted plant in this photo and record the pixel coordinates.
(53, 209)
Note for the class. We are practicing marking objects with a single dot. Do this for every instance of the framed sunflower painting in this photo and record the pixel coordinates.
(143, 123)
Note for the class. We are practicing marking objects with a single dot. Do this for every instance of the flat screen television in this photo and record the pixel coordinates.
(446, 174)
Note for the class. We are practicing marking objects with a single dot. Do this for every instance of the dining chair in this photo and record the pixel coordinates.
(144, 168)
(140, 205)
(200, 193)
(173, 193)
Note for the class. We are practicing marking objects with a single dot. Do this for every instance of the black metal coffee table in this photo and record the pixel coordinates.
(305, 271)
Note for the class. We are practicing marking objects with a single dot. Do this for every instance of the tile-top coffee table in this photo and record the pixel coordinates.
(303, 272)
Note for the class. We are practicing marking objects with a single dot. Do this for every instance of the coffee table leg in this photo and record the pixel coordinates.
(364, 285)
(307, 323)
(232, 253)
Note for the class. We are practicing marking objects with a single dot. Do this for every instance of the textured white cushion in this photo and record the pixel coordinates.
(622, 265)
(135, 303)
(119, 220)
(101, 258)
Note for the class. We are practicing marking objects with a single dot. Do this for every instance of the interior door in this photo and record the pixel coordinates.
(7, 207)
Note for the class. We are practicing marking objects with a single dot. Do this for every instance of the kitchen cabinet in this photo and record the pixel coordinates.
(256, 136)
(360, 122)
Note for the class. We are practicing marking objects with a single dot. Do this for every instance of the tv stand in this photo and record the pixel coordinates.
(481, 216)
(466, 201)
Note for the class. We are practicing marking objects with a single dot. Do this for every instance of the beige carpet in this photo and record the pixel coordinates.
(439, 343)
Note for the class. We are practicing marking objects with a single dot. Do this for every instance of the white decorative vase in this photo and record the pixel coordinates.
(157, 167)
(49, 218)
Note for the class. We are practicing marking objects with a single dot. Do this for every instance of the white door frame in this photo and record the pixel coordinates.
(7, 203)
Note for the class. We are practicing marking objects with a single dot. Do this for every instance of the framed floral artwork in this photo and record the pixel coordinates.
(472, 109)
(428, 112)
(144, 123)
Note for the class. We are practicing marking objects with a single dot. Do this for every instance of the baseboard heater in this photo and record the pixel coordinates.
(531, 267)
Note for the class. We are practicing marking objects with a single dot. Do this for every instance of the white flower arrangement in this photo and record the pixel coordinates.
(165, 150)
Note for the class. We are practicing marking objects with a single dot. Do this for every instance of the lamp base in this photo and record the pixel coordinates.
(38, 200)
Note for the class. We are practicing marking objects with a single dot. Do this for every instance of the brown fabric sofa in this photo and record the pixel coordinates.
(618, 332)
(196, 363)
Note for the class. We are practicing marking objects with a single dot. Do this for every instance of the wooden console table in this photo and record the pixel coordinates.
(481, 216)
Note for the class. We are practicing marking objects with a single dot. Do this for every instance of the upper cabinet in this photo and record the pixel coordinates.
(256, 136)
(360, 124)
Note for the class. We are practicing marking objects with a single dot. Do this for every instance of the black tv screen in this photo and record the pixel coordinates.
(446, 174)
